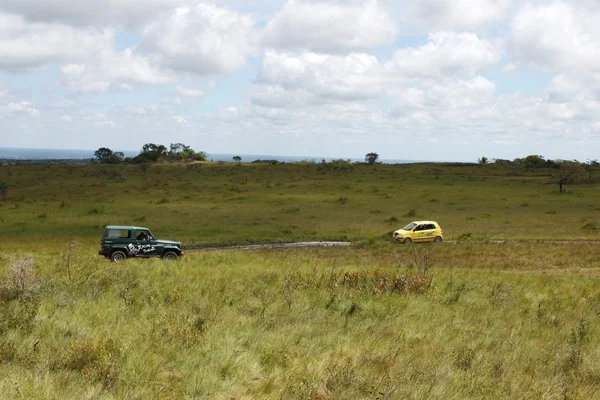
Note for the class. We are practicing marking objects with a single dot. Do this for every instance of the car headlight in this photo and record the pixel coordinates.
(397, 234)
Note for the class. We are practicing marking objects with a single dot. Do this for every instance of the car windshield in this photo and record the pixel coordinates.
(410, 226)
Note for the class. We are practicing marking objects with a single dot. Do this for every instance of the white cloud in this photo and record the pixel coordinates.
(459, 14)
(446, 95)
(113, 70)
(67, 118)
(100, 120)
(204, 39)
(129, 13)
(557, 36)
(446, 53)
(312, 78)
(22, 107)
(181, 120)
(189, 92)
(331, 26)
(137, 110)
(25, 46)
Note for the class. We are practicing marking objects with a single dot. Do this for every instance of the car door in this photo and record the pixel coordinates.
(418, 233)
(428, 232)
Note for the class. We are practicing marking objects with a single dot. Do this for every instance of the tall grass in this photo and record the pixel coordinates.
(323, 323)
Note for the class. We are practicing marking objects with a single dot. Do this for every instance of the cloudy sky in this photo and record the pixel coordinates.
(408, 79)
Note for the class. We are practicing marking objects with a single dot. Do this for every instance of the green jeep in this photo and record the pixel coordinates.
(122, 242)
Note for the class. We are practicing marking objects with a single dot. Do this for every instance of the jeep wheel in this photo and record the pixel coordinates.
(170, 256)
(118, 256)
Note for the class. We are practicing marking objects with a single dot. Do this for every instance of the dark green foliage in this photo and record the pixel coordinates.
(106, 156)
(339, 165)
(371, 158)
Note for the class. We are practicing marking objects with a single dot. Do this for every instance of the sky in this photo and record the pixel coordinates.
(438, 80)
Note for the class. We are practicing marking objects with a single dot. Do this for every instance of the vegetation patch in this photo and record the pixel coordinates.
(368, 282)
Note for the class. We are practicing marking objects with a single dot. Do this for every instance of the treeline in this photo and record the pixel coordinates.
(150, 153)
(537, 161)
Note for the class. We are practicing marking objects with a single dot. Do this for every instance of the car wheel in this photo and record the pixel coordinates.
(170, 256)
(118, 256)
(408, 240)
(438, 239)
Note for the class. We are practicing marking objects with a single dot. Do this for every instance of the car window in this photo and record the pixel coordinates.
(420, 228)
(429, 226)
(410, 226)
(118, 234)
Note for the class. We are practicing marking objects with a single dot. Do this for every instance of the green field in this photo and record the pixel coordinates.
(473, 317)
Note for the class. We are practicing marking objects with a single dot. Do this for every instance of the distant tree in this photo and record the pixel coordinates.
(532, 161)
(151, 153)
(237, 158)
(571, 172)
(4, 190)
(200, 156)
(483, 160)
(104, 155)
(371, 158)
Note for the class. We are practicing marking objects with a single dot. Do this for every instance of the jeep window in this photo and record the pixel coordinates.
(118, 234)
(410, 226)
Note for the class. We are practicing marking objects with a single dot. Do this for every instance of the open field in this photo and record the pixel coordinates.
(464, 319)
(207, 204)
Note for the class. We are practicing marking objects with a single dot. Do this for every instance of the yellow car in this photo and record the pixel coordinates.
(420, 231)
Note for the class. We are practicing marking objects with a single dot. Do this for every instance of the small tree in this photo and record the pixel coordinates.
(571, 172)
(106, 156)
(237, 159)
(371, 158)
(483, 160)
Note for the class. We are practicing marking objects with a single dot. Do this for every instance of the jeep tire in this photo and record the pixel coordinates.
(170, 256)
(118, 256)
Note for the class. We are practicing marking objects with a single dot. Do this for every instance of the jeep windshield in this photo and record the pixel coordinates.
(410, 226)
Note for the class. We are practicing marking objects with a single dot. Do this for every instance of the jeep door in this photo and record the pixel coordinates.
(147, 247)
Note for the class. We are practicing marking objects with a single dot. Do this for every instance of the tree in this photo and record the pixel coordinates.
(179, 151)
(571, 172)
(483, 160)
(106, 156)
(152, 153)
(237, 158)
(371, 158)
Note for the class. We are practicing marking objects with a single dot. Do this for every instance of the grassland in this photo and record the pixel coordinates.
(470, 318)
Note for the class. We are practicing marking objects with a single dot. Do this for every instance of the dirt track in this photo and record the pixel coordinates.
(275, 246)
(269, 246)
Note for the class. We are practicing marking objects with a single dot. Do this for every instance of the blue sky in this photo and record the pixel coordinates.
(420, 79)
